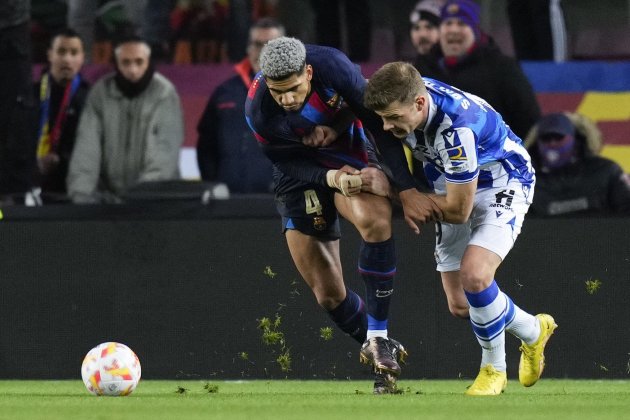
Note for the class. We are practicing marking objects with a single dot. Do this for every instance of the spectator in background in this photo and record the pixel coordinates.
(538, 30)
(131, 130)
(425, 25)
(571, 177)
(225, 141)
(62, 92)
(358, 23)
(468, 59)
(17, 105)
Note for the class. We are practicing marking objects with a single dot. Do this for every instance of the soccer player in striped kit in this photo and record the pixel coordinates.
(483, 182)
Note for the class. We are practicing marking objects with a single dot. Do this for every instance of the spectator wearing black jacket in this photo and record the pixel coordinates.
(17, 105)
(571, 177)
(225, 141)
(61, 92)
(468, 59)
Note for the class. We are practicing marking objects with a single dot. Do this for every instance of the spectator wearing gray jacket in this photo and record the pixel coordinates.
(130, 132)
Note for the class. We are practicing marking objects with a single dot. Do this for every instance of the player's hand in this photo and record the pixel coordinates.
(374, 180)
(321, 136)
(418, 208)
(48, 163)
(347, 180)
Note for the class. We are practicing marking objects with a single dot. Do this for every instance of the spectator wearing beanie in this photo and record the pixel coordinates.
(469, 60)
(425, 25)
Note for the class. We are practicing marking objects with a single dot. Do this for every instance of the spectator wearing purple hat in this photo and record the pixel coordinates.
(469, 60)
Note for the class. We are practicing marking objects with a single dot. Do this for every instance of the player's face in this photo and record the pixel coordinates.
(132, 59)
(258, 37)
(424, 35)
(290, 93)
(66, 57)
(456, 37)
(402, 118)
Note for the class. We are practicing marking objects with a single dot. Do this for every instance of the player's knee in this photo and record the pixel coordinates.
(328, 301)
(474, 280)
(372, 224)
(459, 311)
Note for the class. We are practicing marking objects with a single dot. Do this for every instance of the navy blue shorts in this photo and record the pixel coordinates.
(310, 210)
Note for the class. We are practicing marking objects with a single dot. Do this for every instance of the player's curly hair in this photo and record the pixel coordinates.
(282, 57)
(397, 81)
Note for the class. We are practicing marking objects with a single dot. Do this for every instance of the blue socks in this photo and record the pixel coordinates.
(350, 317)
(377, 267)
(489, 311)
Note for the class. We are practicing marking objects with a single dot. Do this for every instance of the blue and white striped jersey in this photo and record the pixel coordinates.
(465, 138)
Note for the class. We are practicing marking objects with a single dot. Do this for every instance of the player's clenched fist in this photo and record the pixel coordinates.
(347, 180)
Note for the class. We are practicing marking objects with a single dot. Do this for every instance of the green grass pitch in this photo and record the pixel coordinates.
(321, 400)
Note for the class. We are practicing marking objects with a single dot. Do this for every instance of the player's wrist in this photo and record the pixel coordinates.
(331, 179)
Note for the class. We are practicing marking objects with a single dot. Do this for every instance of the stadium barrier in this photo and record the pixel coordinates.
(186, 286)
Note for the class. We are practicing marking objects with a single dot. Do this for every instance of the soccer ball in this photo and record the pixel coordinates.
(111, 369)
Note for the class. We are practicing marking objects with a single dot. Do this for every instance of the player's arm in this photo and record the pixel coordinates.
(294, 159)
(325, 135)
(458, 202)
(279, 143)
(346, 78)
(461, 169)
(346, 180)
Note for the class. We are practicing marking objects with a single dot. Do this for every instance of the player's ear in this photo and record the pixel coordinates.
(420, 102)
(309, 72)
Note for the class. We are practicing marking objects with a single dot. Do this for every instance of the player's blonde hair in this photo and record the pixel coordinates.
(397, 81)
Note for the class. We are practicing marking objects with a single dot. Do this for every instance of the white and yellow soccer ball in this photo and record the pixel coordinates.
(111, 369)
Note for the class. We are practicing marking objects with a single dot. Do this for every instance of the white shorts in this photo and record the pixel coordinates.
(494, 224)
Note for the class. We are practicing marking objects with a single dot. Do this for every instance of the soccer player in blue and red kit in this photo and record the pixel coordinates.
(306, 96)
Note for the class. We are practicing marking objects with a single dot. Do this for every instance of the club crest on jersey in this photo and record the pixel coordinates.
(334, 101)
(319, 223)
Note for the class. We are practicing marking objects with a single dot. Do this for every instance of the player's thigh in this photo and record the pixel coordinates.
(318, 262)
(498, 216)
(370, 214)
(311, 226)
(450, 243)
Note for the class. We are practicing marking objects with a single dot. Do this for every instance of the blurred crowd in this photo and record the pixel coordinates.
(57, 146)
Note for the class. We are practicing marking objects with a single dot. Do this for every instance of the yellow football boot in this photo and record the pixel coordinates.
(489, 382)
(532, 357)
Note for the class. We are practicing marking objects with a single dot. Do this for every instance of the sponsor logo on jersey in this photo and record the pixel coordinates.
(507, 195)
(457, 154)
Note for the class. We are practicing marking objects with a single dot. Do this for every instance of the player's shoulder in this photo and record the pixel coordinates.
(327, 59)
(256, 92)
